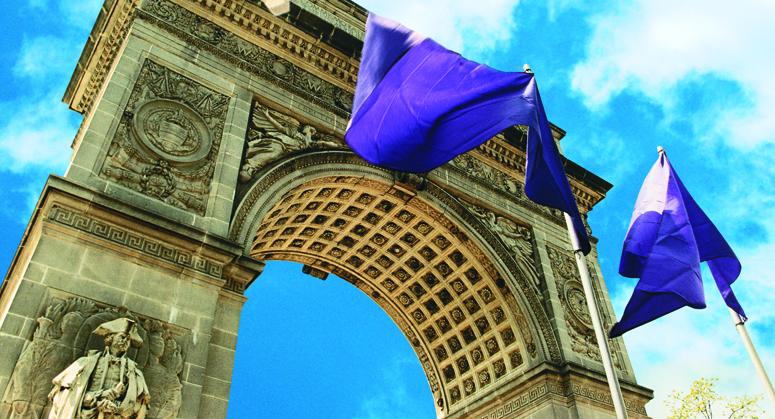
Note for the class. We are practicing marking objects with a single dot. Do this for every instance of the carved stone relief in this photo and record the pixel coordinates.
(577, 319)
(104, 384)
(516, 406)
(499, 180)
(518, 238)
(272, 134)
(64, 333)
(244, 54)
(167, 139)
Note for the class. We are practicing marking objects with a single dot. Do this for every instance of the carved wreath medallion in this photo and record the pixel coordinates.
(168, 137)
(172, 130)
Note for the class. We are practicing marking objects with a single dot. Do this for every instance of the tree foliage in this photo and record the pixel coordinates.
(702, 401)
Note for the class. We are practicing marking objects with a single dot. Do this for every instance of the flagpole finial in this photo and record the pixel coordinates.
(660, 150)
(526, 68)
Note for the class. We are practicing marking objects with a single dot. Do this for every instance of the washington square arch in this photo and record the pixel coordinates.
(212, 142)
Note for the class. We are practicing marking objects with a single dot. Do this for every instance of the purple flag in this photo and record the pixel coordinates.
(418, 105)
(669, 236)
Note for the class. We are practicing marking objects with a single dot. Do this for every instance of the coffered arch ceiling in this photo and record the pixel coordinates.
(465, 312)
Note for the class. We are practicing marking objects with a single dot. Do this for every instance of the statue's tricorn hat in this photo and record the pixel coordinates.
(118, 326)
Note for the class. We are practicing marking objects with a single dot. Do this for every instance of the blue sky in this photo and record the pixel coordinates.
(620, 77)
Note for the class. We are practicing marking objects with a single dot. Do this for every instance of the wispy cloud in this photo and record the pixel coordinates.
(669, 353)
(654, 47)
(394, 400)
(78, 15)
(37, 135)
(81, 14)
(476, 27)
(706, 67)
(45, 57)
(36, 128)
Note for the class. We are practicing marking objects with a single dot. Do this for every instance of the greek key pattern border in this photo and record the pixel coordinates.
(544, 390)
(81, 222)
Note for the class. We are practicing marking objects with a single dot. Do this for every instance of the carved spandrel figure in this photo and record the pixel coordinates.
(104, 384)
(273, 134)
(517, 238)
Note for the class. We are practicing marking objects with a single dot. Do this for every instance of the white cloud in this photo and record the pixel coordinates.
(476, 27)
(79, 14)
(45, 56)
(36, 129)
(82, 13)
(668, 354)
(555, 7)
(37, 135)
(394, 400)
(652, 47)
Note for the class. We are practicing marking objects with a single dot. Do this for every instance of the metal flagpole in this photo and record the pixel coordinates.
(757, 363)
(594, 313)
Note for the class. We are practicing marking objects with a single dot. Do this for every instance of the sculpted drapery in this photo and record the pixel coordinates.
(104, 384)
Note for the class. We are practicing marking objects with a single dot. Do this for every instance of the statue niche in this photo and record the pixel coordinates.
(103, 384)
(64, 334)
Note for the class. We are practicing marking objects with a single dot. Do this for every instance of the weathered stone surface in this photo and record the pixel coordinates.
(167, 139)
(64, 333)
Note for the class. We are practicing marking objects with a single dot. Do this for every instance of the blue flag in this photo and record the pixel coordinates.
(669, 236)
(418, 105)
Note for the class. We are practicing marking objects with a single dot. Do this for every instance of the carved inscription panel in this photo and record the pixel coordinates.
(168, 138)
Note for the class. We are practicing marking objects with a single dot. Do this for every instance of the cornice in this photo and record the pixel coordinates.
(260, 28)
(346, 16)
(102, 47)
(248, 20)
(266, 31)
(502, 154)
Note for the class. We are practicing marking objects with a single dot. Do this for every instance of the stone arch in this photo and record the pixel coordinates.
(442, 276)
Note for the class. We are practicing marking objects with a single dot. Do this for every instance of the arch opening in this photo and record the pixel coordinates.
(432, 279)
(322, 349)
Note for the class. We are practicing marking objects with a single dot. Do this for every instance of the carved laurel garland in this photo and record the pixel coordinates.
(577, 320)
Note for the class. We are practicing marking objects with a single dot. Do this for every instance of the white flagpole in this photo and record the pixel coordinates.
(594, 313)
(757, 363)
